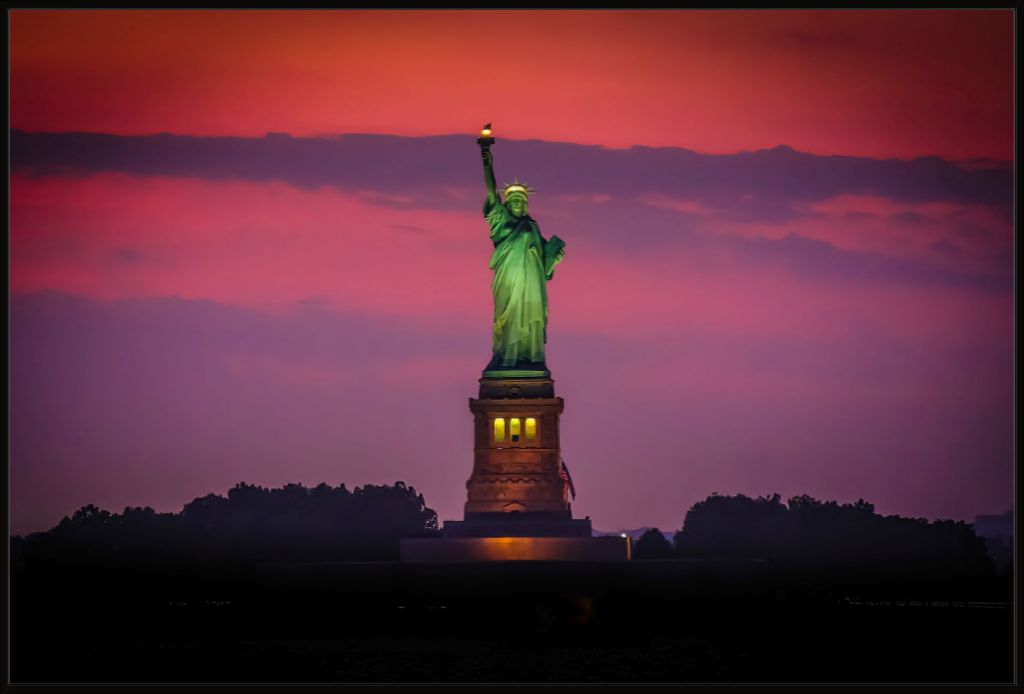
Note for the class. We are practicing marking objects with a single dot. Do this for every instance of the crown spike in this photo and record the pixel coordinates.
(516, 187)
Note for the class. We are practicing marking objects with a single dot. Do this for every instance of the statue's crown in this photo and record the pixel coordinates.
(517, 188)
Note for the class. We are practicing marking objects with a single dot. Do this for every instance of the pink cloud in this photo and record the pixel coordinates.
(270, 244)
(114, 236)
(970, 233)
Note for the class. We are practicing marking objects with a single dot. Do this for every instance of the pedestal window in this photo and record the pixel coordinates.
(514, 429)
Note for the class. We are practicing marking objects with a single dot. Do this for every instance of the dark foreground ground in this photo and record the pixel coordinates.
(672, 621)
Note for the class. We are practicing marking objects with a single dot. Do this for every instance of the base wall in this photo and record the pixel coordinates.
(505, 527)
(477, 549)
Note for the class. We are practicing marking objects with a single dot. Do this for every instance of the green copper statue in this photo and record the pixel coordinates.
(523, 261)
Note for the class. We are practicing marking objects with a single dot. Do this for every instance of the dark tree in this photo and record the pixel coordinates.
(735, 526)
(652, 545)
(292, 523)
(838, 548)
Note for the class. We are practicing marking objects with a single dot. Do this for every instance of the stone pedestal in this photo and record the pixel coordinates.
(517, 505)
(516, 452)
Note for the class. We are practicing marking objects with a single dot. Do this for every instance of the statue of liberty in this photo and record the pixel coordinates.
(522, 262)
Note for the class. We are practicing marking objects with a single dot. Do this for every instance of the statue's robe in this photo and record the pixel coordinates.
(521, 270)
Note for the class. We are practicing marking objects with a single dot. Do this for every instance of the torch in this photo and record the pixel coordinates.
(486, 139)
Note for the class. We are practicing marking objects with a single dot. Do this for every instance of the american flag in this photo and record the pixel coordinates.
(564, 473)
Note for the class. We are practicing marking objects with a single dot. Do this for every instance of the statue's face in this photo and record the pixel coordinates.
(517, 205)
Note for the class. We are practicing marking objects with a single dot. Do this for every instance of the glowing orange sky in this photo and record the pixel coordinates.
(874, 83)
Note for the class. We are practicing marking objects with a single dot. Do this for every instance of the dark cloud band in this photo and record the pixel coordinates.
(422, 168)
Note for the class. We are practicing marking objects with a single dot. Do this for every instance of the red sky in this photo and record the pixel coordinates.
(190, 314)
(874, 83)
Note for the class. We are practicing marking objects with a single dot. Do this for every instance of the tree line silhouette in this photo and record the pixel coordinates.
(781, 582)
(250, 524)
(844, 547)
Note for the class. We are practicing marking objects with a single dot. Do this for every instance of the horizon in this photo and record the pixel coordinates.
(638, 530)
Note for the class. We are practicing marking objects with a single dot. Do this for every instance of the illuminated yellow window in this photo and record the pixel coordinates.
(531, 428)
(513, 429)
(499, 429)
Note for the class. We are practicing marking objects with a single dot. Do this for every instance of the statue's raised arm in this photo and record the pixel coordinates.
(492, 185)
